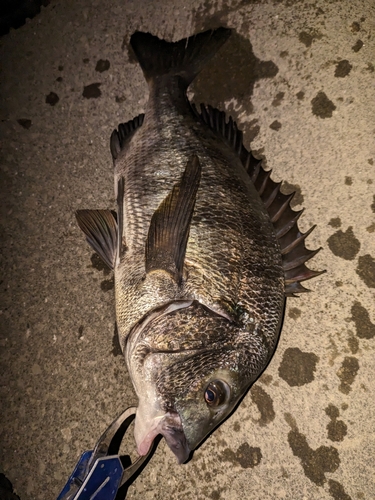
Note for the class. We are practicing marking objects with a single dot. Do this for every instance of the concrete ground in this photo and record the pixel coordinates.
(298, 77)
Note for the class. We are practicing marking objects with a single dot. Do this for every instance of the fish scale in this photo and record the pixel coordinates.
(204, 250)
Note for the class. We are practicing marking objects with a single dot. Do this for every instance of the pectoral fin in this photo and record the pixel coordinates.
(100, 228)
(169, 228)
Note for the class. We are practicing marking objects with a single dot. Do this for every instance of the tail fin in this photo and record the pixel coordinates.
(185, 58)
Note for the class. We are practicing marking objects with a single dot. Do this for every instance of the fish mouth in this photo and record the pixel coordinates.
(170, 427)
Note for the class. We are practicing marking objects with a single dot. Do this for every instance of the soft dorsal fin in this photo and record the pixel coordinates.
(121, 136)
(169, 228)
(284, 219)
(100, 228)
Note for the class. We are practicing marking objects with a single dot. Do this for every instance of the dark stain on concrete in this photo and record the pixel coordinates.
(265, 379)
(107, 285)
(92, 91)
(252, 130)
(343, 68)
(353, 344)
(98, 264)
(297, 368)
(294, 313)
(371, 228)
(236, 427)
(344, 244)
(278, 99)
(25, 123)
(357, 46)
(102, 65)
(347, 373)
(370, 161)
(264, 403)
(80, 331)
(315, 463)
(59, 79)
(86, 60)
(288, 188)
(366, 270)
(232, 73)
(322, 106)
(300, 95)
(332, 411)
(355, 27)
(120, 99)
(275, 125)
(246, 456)
(52, 98)
(336, 490)
(335, 222)
(348, 180)
(337, 429)
(307, 38)
(372, 204)
(116, 348)
(364, 328)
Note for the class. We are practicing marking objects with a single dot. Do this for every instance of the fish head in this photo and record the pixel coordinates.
(189, 367)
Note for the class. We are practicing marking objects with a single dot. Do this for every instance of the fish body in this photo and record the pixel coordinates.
(204, 250)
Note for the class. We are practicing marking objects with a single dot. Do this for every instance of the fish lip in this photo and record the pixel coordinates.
(170, 427)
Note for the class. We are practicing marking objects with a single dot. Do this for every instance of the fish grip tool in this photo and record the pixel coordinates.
(99, 473)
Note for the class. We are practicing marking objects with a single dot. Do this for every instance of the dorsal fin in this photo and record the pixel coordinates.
(284, 219)
(100, 228)
(169, 228)
(123, 134)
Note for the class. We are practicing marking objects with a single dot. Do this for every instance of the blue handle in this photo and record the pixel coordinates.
(101, 483)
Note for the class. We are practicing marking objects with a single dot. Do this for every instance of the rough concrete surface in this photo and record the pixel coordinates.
(298, 77)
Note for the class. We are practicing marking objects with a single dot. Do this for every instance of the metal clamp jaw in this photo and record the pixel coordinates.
(100, 472)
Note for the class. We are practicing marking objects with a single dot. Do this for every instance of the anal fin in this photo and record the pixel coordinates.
(169, 228)
(100, 228)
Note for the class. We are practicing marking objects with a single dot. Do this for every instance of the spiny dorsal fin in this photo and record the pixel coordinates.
(169, 228)
(284, 219)
(100, 228)
(121, 136)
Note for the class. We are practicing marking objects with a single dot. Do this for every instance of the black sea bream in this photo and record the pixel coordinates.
(204, 249)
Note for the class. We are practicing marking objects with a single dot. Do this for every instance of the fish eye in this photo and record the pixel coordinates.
(216, 393)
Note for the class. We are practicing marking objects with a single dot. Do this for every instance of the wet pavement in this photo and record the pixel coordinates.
(299, 79)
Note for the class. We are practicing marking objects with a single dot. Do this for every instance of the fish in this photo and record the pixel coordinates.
(204, 246)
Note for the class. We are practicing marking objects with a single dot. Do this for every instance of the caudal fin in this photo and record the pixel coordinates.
(185, 58)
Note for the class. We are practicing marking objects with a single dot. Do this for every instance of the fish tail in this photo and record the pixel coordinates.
(185, 58)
